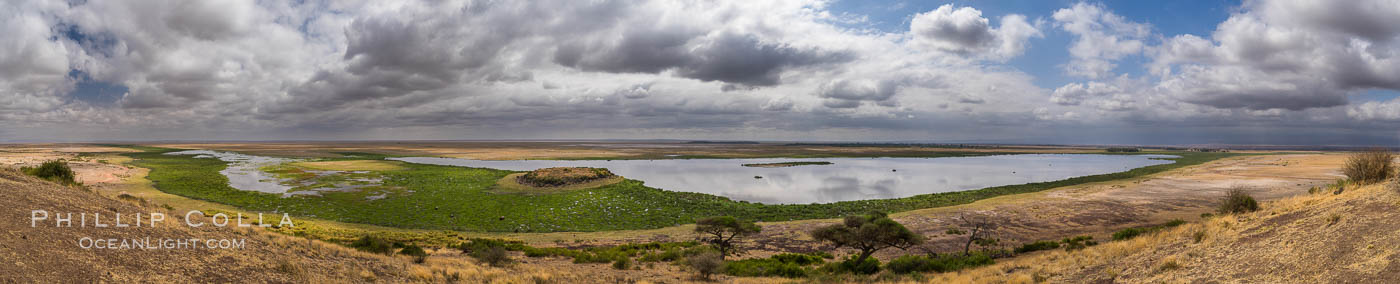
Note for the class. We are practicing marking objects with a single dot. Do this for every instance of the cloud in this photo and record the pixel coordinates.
(1101, 38)
(965, 31)
(1286, 54)
(33, 64)
(788, 69)
(1388, 111)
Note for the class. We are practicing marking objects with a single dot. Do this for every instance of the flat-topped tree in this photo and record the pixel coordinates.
(724, 232)
(868, 234)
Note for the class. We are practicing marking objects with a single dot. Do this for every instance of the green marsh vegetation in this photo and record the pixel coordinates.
(458, 198)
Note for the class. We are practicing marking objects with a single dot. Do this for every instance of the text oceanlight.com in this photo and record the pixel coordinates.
(150, 243)
(119, 221)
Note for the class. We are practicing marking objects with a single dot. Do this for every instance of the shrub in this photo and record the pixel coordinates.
(782, 265)
(418, 254)
(1035, 246)
(1369, 166)
(622, 263)
(373, 245)
(1237, 201)
(1129, 233)
(494, 256)
(798, 258)
(1078, 243)
(940, 263)
(54, 171)
(1199, 236)
(1174, 223)
(760, 267)
(853, 265)
(706, 264)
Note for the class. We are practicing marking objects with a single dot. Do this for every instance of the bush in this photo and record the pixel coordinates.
(54, 171)
(1237, 201)
(1370, 166)
(1036, 246)
(760, 267)
(1078, 243)
(373, 245)
(782, 265)
(798, 258)
(494, 256)
(1174, 223)
(1129, 233)
(869, 266)
(940, 263)
(418, 254)
(706, 264)
(622, 263)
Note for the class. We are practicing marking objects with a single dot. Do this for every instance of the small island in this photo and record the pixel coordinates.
(556, 179)
(786, 164)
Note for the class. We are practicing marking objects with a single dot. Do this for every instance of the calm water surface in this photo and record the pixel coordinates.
(844, 180)
(242, 170)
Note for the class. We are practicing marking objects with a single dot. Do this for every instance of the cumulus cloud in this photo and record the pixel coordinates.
(964, 31)
(1287, 54)
(1376, 111)
(1101, 38)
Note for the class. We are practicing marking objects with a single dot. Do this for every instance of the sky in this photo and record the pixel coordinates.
(1314, 72)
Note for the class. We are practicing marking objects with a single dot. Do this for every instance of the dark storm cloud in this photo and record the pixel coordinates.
(743, 59)
(726, 57)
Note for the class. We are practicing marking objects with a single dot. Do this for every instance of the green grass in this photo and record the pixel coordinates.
(459, 198)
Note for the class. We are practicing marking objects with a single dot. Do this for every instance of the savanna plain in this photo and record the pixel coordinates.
(365, 212)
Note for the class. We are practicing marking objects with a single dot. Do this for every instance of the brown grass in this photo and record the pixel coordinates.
(1294, 232)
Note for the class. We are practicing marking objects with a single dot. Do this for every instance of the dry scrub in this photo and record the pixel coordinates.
(1370, 166)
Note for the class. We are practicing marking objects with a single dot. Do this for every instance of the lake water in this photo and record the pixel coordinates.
(242, 170)
(844, 180)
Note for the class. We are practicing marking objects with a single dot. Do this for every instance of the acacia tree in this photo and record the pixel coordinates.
(868, 234)
(724, 232)
(978, 228)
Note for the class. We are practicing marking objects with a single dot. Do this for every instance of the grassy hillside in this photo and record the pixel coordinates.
(458, 198)
(1323, 237)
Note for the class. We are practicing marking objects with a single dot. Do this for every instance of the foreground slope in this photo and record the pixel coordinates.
(1352, 237)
